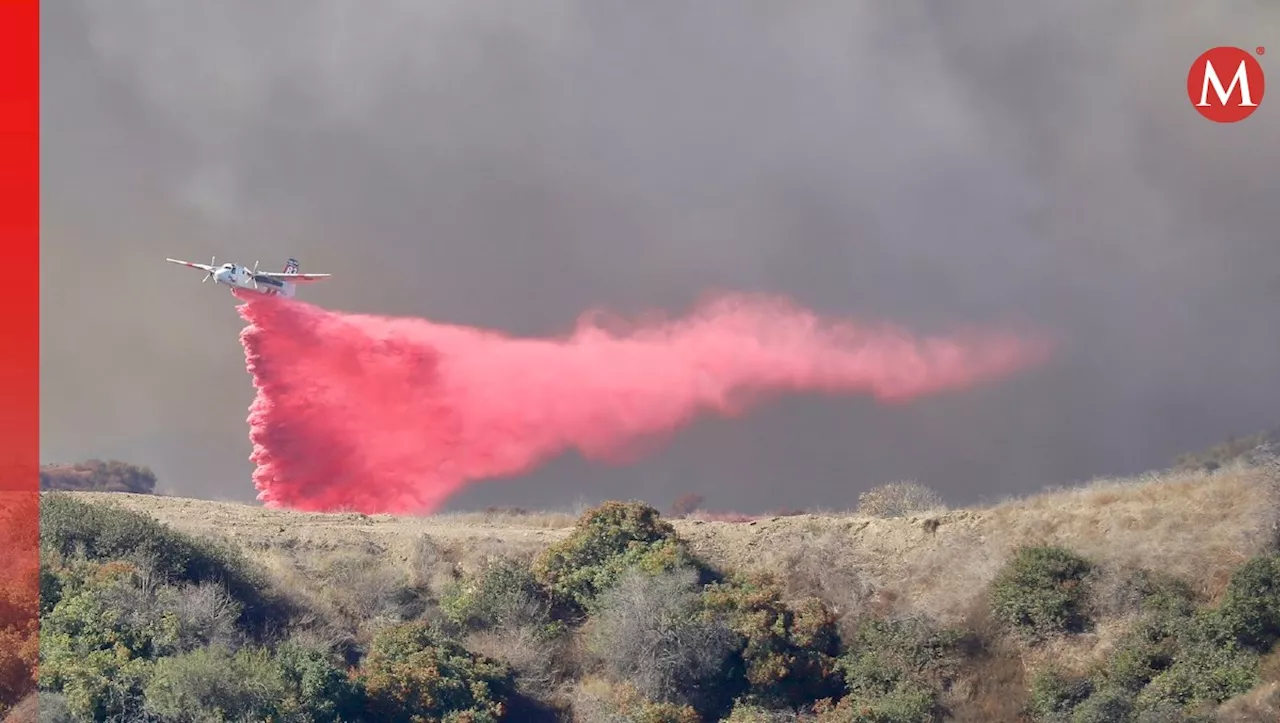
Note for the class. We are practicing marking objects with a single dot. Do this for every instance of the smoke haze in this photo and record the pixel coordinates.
(986, 164)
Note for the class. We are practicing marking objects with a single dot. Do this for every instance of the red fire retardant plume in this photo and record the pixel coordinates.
(381, 414)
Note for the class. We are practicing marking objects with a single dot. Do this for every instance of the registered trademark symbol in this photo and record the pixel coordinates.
(1261, 50)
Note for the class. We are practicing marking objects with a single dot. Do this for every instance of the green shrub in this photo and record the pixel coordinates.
(787, 652)
(906, 703)
(1054, 696)
(1109, 705)
(502, 595)
(901, 660)
(317, 689)
(98, 654)
(607, 540)
(1202, 671)
(1041, 592)
(413, 674)
(214, 684)
(1153, 644)
(70, 528)
(1250, 610)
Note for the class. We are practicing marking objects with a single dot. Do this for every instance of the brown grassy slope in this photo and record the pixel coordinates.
(1198, 525)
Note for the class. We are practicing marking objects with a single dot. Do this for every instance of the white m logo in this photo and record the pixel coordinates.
(1241, 78)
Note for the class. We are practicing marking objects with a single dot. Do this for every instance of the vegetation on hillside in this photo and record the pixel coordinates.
(98, 476)
(624, 621)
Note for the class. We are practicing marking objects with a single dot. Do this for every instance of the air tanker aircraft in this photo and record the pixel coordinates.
(267, 283)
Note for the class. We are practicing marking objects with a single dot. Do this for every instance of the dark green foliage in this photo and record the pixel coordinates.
(70, 528)
(1153, 644)
(1054, 695)
(1041, 592)
(899, 661)
(1109, 705)
(787, 652)
(1173, 661)
(1250, 611)
(1203, 670)
(1165, 596)
(905, 704)
(607, 540)
(312, 685)
(96, 653)
(415, 674)
(50, 586)
(98, 476)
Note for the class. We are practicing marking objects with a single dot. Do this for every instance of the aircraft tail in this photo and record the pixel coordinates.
(291, 266)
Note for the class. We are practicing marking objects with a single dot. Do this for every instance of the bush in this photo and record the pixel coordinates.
(70, 528)
(606, 541)
(903, 660)
(1202, 671)
(898, 499)
(647, 632)
(98, 476)
(503, 595)
(1250, 609)
(599, 701)
(509, 616)
(413, 674)
(1054, 695)
(214, 684)
(786, 652)
(1041, 591)
(1172, 661)
(905, 704)
(98, 654)
(1109, 705)
(315, 687)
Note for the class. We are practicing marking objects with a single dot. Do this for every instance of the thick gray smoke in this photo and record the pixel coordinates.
(512, 164)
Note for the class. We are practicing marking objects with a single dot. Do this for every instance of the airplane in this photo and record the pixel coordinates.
(268, 283)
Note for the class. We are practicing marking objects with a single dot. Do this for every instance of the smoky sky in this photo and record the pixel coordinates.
(510, 165)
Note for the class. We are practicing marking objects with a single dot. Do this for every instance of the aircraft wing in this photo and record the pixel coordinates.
(202, 267)
(281, 276)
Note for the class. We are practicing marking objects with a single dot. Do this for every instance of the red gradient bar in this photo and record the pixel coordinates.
(20, 350)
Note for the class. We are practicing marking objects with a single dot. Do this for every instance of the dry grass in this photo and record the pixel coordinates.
(1260, 704)
(26, 711)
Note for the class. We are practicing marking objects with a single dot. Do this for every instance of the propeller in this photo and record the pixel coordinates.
(255, 275)
(213, 261)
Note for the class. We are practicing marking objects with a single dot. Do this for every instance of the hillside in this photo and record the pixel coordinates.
(355, 576)
(1193, 524)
